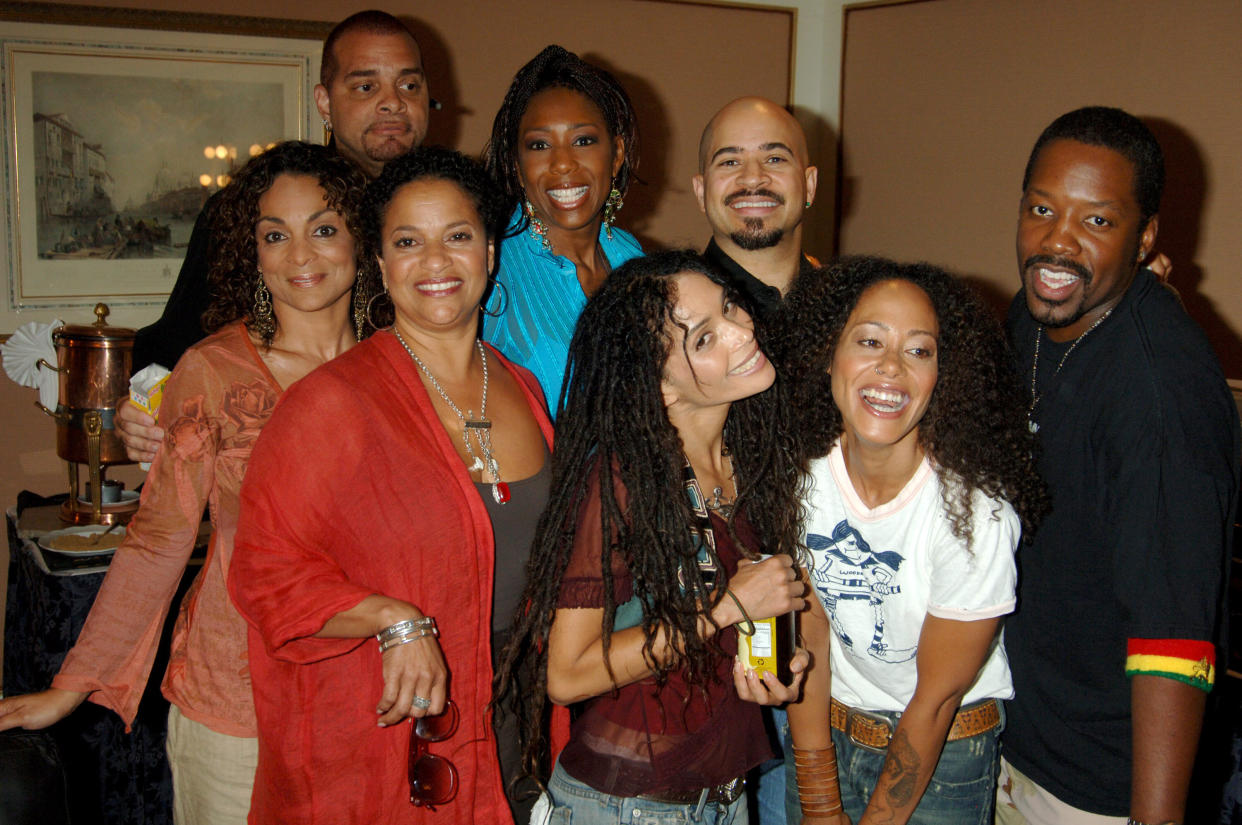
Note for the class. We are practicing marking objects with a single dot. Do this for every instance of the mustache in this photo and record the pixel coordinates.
(742, 194)
(1064, 263)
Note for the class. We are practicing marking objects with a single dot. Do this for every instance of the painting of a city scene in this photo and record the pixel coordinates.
(124, 164)
(112, 141)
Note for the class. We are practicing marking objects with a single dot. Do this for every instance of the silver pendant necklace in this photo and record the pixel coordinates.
(481, 426)
(1035, 396)
(718, 503)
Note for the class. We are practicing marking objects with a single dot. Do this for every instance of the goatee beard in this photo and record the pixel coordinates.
(754, 236)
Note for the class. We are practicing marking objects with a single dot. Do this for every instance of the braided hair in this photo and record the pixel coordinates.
(557, 68)
(614, 435)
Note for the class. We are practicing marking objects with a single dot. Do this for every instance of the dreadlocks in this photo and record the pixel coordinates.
(614, 436)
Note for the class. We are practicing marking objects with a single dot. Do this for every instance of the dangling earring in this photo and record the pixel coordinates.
(360, 311)
(611, 208)
(263, 320)
(327, 125)
(371, 307)
(538, 229)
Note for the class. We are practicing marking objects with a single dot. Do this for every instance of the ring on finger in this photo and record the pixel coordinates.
(421, 702)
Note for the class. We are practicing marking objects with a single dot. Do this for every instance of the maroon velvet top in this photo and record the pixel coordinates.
(648, 739)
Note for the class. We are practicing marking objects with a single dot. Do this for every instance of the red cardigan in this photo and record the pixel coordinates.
(354, 488)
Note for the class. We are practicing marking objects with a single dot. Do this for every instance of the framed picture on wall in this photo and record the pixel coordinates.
(113, 140)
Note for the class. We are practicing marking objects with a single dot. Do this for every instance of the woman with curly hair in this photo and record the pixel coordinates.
(564, 146)
(920, 483)
(669, 478)
(289, 280)
(392, 499)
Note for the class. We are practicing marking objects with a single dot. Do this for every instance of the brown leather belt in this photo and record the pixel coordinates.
(725, 794)
(873, 731)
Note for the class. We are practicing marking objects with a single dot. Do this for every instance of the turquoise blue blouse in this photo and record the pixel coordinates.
(544, 302)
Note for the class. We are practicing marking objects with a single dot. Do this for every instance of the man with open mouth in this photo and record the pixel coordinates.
(1113, 643)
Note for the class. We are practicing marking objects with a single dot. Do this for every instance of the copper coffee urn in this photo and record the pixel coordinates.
(93, 363)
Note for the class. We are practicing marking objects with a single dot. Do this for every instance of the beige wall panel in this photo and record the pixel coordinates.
(943, 99)
(679, 61)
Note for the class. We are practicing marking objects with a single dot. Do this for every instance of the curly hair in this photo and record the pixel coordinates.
(1112, 129)
(429, 163)
(234, 256)
(614, 416)
(974, 428)
(557, 68)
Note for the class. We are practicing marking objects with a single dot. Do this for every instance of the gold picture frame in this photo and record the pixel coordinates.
(108, 128)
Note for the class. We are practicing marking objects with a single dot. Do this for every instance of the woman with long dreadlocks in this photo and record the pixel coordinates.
(636, 577)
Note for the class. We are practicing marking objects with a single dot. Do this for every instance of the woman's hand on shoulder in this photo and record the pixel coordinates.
(36, 711)
(764, 589)
(138, 432)
(767, 689)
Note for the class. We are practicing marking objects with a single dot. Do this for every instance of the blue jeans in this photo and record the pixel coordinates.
(576, 803)
(962, 789)
(768, 779)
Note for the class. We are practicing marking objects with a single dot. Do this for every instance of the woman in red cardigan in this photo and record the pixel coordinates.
(367, 560)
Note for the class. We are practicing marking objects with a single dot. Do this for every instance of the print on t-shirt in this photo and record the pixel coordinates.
(853, 581)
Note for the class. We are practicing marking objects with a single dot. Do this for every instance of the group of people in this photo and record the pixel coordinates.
(409, 578)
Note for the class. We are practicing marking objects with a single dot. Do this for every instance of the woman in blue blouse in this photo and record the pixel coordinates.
(563, 147)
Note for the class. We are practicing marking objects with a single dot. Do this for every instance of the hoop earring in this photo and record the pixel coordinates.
(538, 229)
(371, 306)
(504, 299)
(611, 208)
(263, 319)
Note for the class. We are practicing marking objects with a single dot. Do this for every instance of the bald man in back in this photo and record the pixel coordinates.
(755, 183)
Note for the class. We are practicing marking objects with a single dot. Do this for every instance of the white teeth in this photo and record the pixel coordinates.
(748, 364)
(885, 400)
(759, 204)
(1056, 280)
(567, 195)
(438, 286)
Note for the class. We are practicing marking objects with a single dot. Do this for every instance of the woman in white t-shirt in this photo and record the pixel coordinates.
(920, 481)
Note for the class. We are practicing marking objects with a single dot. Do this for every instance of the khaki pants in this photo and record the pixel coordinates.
(213, 773)
(1019, 801)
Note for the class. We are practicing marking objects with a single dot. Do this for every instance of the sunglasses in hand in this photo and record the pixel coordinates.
(433, 779)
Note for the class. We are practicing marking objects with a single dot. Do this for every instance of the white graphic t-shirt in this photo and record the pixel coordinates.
(879, 572)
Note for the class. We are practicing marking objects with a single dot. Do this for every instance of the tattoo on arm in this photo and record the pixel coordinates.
(902, 768)
(900, 776)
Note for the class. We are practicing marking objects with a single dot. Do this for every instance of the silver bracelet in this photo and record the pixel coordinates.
(403, 627)
(406, 638)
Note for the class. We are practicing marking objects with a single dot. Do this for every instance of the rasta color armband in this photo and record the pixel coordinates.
(1186, 660)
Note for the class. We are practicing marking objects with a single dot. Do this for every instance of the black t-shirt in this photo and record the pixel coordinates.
(761, 299)
(1139, 444)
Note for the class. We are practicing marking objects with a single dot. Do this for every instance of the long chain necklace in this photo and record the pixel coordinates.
(1035, 396)
(481, 426)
